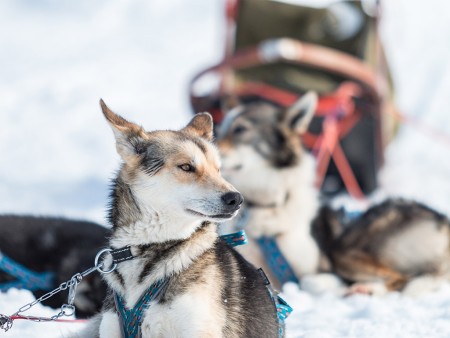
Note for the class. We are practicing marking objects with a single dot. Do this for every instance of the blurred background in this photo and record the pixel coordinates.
(59, 57)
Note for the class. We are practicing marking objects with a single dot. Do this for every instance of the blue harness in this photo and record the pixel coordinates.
(275, 259)
(25, 278)
(131, 319)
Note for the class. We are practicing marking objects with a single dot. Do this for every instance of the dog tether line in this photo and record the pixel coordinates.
(68, 309)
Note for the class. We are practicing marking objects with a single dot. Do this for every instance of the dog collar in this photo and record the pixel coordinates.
(125, 254)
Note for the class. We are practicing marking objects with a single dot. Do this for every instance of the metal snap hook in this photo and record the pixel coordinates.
(75, 280)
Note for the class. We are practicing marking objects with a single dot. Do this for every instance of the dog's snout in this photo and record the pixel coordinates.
(232, 199)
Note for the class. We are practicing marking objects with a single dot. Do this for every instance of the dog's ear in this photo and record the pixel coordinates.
(129, 136)
(299, 115)
(201, 125)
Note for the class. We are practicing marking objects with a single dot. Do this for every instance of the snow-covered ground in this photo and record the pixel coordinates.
(57, 153)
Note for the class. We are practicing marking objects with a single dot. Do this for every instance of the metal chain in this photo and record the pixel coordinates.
(67, 309)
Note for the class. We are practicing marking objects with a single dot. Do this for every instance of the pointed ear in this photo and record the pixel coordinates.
(201, 125)
(299, 115)
(129, 136)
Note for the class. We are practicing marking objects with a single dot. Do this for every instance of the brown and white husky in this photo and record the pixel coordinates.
(165, 202)
(386, 249)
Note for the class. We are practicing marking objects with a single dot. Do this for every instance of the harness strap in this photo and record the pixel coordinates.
(283, 308)
(276, 261)
(131, 319)
(235, 239)
(25, 278)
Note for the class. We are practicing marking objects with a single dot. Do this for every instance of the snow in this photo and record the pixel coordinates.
(57, 153)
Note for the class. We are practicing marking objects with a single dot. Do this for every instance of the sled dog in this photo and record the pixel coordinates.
(55, 249)
(262, 155)
(396, 245)
(388, 248)
(165, 203)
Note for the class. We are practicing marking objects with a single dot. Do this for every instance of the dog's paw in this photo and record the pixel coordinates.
(323, 283)
(370, 289)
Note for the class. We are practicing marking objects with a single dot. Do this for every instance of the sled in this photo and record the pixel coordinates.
(277, 50)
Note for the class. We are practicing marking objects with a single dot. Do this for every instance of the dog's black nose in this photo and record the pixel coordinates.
(232, 199)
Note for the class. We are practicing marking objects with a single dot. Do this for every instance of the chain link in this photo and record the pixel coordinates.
(67, 309)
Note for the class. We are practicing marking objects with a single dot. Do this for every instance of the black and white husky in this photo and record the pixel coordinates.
(398, 245)
(165, 202)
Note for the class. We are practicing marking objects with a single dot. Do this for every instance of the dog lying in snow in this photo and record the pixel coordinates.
(166, 200)
(396, 245)
(56, 247)
(386, 249)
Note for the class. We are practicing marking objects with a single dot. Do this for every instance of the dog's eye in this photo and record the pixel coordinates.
(239, 130)
(186, 167)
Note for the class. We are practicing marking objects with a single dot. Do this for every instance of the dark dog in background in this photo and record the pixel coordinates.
(60, 246)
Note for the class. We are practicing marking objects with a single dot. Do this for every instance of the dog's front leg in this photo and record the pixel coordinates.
(110, 325)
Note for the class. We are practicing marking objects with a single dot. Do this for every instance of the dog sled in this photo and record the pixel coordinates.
(277, 50)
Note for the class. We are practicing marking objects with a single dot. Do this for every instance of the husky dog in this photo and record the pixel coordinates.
(165, 202)
(396, 245)
(58, 248)
(386, 249)
(263, 156)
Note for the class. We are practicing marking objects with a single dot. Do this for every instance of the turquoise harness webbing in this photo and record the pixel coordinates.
(278, 264)
(276, 261)
(25, 278)
(131, 319)
(283, 308)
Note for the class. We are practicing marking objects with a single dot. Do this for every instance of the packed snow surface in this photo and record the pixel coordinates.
(57, 153)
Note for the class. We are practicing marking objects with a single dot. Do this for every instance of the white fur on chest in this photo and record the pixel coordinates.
(299, 209)
(130, 270)
(193, 314)
(197, 312)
